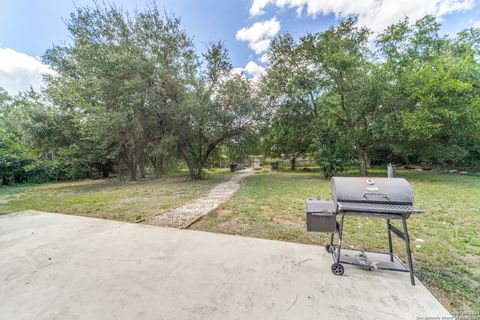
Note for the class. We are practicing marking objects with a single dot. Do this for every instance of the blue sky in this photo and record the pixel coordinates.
(29, 27)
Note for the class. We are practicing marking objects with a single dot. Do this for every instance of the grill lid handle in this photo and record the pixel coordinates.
(383, 195)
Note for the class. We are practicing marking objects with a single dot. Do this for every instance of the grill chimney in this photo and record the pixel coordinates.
(391, 170)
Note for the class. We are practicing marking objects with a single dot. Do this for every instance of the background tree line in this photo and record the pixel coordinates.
(131, 93)
(408, 95)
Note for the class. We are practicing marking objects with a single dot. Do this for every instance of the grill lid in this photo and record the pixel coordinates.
(371, 190)
(320, 206)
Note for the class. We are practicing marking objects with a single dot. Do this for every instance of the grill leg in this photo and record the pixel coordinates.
(409, 254)
(340, 236)
(389, 232)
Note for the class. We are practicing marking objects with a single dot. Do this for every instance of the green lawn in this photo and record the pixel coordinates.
(271, 205)
(108, 199)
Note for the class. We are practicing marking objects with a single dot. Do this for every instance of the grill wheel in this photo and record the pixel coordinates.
(329, 248)
(338, 269)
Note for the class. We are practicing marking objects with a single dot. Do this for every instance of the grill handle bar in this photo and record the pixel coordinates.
(323, 213)
(383, 195)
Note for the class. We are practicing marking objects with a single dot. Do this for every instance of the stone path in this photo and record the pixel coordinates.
(185, 215)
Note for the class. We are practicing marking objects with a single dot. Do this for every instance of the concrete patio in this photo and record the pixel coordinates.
(55, 266)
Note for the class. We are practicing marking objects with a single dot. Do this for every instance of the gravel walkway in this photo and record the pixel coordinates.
(185, 215)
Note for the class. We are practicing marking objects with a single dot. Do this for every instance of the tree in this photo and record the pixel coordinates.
(291, 133)
(291, 76)
(332, 148)
(238, 149)
(329, 75)
(433, 114)
(124, 76)
(291, 88)
(351, 88)
(220, 106)
(138, 86)
(9, 161)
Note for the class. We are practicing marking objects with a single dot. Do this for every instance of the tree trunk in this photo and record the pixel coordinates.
(141, 164)
(132, 168)
(197, 170)
(199, 173)
(191, 168)
(197, 163)
(105, 171)
(362, 157)
(158, 165)
(193, 171)
(293, 163)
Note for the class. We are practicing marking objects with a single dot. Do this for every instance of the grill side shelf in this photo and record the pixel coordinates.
(377, 207)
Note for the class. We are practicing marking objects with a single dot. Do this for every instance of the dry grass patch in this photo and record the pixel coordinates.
(111, 198)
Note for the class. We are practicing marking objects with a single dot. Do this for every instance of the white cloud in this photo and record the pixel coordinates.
(476, 24)
(237, 70)
(19, 71)
(258, 6)
(252, 70)
(376, 14)
(259, 34)
(264, 59)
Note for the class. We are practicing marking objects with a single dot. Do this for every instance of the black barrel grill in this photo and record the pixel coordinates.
(388, 198)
